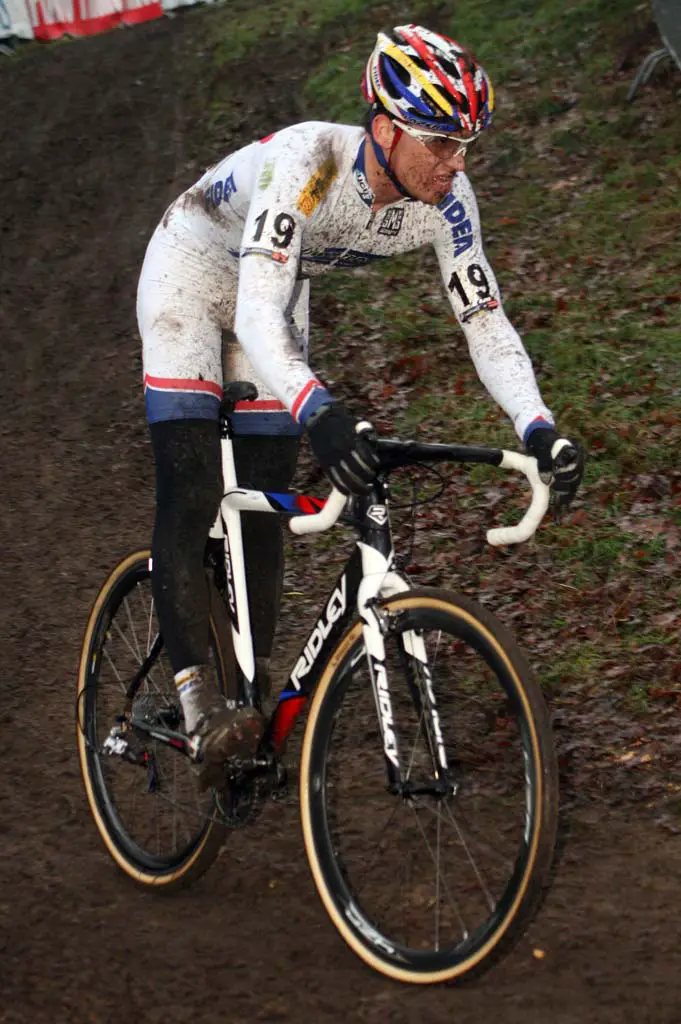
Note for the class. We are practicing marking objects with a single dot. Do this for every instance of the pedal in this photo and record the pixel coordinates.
(117, 745)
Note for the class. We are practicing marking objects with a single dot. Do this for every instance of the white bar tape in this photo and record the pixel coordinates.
(540, 502)
(332, 511)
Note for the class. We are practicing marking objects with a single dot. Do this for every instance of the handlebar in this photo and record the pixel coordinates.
(540, 502)
(319, 521)
(526, 464)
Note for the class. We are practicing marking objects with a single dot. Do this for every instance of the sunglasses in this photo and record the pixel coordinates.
(444, 147)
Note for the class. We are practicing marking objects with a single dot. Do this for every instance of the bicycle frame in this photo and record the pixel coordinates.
(367, 577)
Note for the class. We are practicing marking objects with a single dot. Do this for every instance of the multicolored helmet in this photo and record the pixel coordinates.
(428, 81)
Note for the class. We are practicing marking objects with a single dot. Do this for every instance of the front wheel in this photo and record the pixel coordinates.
(157, 826)
(433, 878)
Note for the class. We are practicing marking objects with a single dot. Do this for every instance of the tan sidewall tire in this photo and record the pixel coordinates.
(209, 846)
(537, 871)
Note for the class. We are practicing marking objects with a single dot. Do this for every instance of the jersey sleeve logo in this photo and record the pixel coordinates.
(220, 192)
(392, 222)
(460, 225)
(266, 175)
(317, 187)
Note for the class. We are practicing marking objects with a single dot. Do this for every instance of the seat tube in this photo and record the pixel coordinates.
(235, 567)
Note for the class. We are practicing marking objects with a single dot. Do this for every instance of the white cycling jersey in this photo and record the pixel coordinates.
(236, 250)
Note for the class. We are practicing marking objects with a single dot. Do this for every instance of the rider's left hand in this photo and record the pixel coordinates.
(560, 461)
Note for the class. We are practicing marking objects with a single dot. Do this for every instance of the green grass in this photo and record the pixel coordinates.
(240, 29)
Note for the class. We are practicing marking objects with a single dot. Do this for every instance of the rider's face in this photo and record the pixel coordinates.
(425, 170)
(426, 175)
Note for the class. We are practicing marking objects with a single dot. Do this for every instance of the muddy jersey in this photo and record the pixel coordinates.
(238, 248)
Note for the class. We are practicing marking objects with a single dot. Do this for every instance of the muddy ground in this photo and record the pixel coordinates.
(93, 145)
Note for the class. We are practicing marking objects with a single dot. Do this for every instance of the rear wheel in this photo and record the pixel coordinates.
(157, 826)
(433, 881)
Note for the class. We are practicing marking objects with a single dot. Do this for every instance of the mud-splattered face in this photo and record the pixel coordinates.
(425, 175)
(426, 171)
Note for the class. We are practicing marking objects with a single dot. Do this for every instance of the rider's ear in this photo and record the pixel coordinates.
(382, 130)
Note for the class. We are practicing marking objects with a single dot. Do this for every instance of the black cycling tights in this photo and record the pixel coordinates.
(188, 492)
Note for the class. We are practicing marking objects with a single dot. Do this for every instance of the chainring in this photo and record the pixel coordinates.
(240, 801)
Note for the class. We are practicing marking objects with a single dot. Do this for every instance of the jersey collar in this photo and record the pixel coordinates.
(364, 189)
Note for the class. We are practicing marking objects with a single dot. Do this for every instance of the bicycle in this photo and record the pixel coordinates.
(386, 744)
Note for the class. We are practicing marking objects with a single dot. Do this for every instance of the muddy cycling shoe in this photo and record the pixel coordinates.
(224, 733)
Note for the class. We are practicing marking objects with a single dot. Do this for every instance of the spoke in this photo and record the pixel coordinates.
(181, 813)
(197, 809)
(150, 633)
(196, 813)
(114, 669)
(367, 773)
(129, 793)
(158, 691)
(379, 847)
(132, 629)
(380, 903)
(151, 619)
(491, 902)
(135, 653)
(432, 660)
(123, 784)
(415, 674)
(127, 643)
(453, 902)
(480, 842)
(485, 845)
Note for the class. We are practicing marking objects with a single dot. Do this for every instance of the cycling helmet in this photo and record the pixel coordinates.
(428, 81)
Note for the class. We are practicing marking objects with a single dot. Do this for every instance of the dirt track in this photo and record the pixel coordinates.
(86, 172)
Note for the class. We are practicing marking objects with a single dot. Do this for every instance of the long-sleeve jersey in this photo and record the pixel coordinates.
(297, 204)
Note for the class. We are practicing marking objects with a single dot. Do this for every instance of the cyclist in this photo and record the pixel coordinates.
(235, 252)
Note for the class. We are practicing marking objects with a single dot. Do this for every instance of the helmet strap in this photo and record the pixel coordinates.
(380, 156)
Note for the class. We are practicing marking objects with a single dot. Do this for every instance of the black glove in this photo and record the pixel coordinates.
(560, 465)
(342, 445)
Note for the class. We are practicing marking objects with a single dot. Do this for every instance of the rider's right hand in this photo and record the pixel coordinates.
(342, 445)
